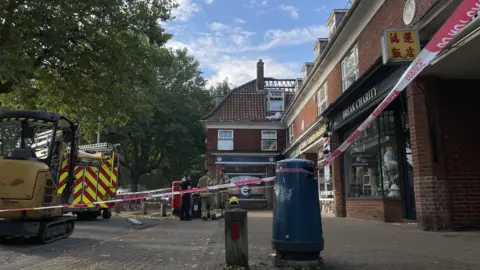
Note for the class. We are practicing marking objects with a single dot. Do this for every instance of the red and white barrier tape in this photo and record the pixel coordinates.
(144, 192)
(455, 23)
(194, 190)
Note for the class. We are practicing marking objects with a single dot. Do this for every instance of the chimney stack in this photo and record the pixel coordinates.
(260, 75)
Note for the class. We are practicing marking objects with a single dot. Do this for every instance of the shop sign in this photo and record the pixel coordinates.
(313, 137)
(400, 45)
(365, 99)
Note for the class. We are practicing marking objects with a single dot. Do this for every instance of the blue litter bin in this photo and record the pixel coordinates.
(297, 224)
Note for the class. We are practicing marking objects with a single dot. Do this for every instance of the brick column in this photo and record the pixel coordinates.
(338, 189)
(432, 196)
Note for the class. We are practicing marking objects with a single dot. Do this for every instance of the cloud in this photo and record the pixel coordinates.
(223, 51)
(322, 8)
(185, 10)
(209, 1)
(215, 26)
(238, 20)
(256, 3)
(277, 37)
(290, 9)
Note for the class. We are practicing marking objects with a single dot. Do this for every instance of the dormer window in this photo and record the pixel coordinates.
(306, 69)
(276, 101)
(319, 47)
(334, 20)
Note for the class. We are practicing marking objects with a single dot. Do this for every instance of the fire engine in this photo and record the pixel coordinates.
(96, 177)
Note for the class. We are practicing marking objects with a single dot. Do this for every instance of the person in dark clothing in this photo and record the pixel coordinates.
(186, 184)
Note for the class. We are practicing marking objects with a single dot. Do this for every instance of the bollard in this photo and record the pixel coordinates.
(144, 208)
(236, 237)
(176, 199)
(118, 206)
(163, 209)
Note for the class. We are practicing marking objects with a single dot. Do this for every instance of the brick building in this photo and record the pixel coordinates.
(245, 135)
(418, 159)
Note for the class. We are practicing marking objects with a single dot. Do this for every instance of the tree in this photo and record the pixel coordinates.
(83, 58)
(221, 88)
(167, 136)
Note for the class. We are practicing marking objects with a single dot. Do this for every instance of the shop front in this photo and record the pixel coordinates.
(243, 168)
(376, 173)
(312, 148)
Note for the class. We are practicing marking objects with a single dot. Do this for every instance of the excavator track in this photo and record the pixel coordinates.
(55, 229)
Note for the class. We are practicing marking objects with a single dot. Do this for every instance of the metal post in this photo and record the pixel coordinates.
(236, 237)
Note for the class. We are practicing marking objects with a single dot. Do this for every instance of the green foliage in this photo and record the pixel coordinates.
(167, 136)
(82, 58)
(91, 59)
(221, 88)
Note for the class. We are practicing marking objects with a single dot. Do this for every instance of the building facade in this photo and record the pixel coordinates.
(408, 164)
(245, 136)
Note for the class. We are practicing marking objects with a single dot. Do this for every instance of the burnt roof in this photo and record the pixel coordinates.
(248, 104)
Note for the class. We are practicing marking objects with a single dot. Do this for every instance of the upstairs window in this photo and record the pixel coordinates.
(225, 140)
(350, 68)
(276, 101)
(322, 96)
(290, 134)
(269, 140)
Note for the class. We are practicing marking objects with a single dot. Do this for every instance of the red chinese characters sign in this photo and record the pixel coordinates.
(400, 45)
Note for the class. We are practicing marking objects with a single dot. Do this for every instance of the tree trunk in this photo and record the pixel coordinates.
(135, 181)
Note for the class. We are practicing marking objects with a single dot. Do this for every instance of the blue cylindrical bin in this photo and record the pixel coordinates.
(297, 224)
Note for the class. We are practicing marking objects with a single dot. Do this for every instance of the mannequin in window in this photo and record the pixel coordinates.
(361, 170)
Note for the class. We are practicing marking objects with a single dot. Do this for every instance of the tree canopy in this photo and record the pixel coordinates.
(80, 57)
(107, 59)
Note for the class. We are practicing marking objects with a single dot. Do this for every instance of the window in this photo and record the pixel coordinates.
(325, 187)
(371, 161)
(275, 101)
(290, 134)
(350, 68)
(225, 140)
(331, 27)
(322, 96)
(269, 140)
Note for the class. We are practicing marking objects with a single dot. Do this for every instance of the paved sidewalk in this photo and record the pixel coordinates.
(352, 244)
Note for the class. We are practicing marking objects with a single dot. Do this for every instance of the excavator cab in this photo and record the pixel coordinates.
(32, 146)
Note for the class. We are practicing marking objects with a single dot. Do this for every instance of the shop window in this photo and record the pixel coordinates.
(325, 188)
(350, 68)
(322, 96)
(371, 165)
(269, 140)
(225, 140)
(276, 101)
(290, 134)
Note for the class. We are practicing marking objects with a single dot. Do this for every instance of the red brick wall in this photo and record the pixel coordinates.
(462, 148)
(245, 140)
(389, 16)
(447, 190)
(334, 80)
(308, 114)
(382, 210)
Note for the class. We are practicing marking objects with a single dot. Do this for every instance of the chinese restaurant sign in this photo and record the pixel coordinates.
(400, 45)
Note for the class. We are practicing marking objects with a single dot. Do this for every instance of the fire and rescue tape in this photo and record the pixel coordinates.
(464, 13)
(455, 23)
(193, 190)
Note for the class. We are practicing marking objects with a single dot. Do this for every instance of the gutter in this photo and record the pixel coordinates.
(322, 56)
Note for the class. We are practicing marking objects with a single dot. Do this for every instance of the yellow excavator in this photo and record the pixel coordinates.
(29, 175)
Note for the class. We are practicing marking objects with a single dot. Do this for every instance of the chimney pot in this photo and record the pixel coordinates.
(260, 75)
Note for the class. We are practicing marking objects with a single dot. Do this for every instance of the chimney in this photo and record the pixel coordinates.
(218, 100)
(260, 75)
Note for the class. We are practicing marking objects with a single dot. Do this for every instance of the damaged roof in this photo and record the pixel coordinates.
(247, 104)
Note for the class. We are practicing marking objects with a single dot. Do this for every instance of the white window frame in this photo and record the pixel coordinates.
(323, 90)
(276, 96)
(331, 27)
(290, 134)
(269, 138)
(351, 56)
(219, 140)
